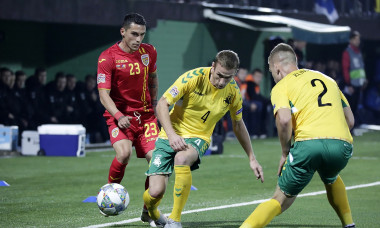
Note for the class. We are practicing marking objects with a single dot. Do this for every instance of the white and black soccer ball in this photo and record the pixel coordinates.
(112, 199)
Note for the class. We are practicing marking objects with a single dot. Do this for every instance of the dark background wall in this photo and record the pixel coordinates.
(69, 36)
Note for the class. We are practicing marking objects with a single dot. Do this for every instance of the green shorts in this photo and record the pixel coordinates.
(162, 161)
(327, 156)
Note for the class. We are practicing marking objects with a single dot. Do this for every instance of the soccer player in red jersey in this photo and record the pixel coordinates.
(128, 85)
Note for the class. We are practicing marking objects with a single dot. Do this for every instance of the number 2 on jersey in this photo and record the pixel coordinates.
(320, 104)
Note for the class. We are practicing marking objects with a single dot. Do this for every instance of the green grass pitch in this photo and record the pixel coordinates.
(48, 191)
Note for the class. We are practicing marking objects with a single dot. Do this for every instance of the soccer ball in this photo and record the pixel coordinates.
(112, 199)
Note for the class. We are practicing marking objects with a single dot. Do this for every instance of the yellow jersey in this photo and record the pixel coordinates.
(198, 105)
(316, 104)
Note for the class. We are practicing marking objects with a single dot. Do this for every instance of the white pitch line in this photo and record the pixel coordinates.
(231, 205)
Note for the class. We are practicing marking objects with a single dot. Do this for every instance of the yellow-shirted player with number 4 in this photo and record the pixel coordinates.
(201, 97)
(311, 104)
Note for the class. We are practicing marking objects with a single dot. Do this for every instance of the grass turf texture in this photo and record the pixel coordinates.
(48, 191)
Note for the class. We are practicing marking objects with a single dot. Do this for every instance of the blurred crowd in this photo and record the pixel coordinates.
(29, 102)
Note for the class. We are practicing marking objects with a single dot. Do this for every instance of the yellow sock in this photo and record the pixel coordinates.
(182, 187)
(263, 214)
(152, 205)
(337, 195)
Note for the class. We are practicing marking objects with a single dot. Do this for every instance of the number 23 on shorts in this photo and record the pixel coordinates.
(150, 129)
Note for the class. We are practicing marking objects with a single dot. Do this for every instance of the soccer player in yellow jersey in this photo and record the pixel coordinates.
(201, 97)
(311, 104)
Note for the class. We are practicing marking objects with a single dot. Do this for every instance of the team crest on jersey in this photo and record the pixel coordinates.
(115, 132)
(101, 78)
(145, 59)
(228, 100)
(174, 91)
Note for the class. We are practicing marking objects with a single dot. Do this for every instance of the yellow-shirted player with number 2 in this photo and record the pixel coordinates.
(311, 104)
(201, 97)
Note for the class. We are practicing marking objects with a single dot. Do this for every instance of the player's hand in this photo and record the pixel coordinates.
(177, 142)
(124, 122)
(257, 169)
(281, 164)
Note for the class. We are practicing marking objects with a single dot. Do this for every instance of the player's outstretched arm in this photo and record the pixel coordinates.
(242, 135)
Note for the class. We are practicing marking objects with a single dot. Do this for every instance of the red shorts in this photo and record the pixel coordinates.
(143, 132)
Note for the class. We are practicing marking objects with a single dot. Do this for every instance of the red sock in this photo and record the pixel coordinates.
(146, 187)
(116, 173)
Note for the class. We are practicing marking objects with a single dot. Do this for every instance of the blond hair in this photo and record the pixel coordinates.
(227, 59)
(283, 53)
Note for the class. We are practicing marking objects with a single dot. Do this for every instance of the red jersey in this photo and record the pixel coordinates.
(126, 75)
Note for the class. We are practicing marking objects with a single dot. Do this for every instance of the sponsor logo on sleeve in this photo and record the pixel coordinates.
(101, 78)
(145, 59)
(239, 111)
(174, 91)
(115, 132)
(102, 60)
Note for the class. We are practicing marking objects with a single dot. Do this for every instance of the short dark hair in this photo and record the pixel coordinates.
(59, 75)
(89, 77)
(19, 73)
(354, 34)
(39, 70)
(4, 69)
(257, 70)
(70, 76)
(227, 59)
(133, 18)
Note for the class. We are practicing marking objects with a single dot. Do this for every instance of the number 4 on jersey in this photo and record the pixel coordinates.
(205, 116)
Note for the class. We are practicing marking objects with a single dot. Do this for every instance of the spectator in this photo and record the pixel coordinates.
(35, 89)
(240, 79)
(95, 124)
(20, 80)
(257, 105)
(7, 110)
(353, 72)
(73, 106)
(57, 100)
(320, 66)
(19, 91)
(333, 70)
(12, 105)
(38, 79)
